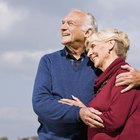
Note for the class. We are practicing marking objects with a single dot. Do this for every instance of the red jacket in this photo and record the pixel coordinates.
(120, 112)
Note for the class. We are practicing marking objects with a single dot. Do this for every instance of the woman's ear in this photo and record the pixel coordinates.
(88, 32)
(111, 44)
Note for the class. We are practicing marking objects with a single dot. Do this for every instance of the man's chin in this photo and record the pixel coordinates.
(65, 43)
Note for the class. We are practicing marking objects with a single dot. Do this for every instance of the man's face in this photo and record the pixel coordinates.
(71, 29)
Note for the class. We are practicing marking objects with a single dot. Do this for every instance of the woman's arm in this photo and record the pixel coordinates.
(88, 115)
(74, 101)
(122, 105)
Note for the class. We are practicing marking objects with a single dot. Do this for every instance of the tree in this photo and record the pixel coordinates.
(3, 138)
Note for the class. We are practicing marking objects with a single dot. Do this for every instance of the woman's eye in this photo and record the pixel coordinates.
(92, 46)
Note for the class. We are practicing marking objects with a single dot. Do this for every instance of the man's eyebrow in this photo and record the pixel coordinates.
(63, 21)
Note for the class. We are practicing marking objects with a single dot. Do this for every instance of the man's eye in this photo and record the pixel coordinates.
(63, 22)
(70, 23)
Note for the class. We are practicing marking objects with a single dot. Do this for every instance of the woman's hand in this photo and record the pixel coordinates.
(90, 117)
(74, 101)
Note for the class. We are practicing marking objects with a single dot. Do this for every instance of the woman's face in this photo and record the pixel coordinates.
(98, 52)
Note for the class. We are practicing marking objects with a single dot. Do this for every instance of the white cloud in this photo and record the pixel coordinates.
(9, 16)
(16, 114)
(18, 57)
(17, 122)
(19, 62)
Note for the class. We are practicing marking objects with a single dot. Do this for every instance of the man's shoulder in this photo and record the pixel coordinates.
(53, 55)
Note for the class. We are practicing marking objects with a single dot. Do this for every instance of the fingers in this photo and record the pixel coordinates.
(72, 102)
(95, 124)
(125, 75)
(128, 82)
(130, 78)
(121, 76)
(127, 67)
(122, 82)
(78, 102)
(123, 79)
(66, 101)
(97, 112)
(75, 98)
(95, 120)
(90, 117)
(127, 88)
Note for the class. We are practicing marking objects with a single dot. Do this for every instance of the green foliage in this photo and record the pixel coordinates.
(3, 138)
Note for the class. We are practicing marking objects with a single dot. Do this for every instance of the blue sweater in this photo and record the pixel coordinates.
(58, 78)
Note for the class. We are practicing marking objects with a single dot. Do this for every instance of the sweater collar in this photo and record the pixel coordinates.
(66, 52)
(107, 74)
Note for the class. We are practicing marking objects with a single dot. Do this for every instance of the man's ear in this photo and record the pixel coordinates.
(88, 32)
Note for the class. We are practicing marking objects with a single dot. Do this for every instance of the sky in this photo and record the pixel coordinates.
(31, 28)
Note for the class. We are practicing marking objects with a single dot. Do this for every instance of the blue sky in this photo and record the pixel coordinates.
(30, 29)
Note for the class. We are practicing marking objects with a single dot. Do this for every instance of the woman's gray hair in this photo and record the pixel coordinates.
(121, 38)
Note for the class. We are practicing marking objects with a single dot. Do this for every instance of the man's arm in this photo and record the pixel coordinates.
(45, 102)
(130, 78)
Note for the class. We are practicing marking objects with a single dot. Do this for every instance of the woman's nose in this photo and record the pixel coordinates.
(89, 52)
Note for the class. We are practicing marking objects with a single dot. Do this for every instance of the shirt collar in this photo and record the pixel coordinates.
(66, 52)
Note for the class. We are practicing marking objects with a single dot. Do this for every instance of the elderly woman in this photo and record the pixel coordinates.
(120, 113)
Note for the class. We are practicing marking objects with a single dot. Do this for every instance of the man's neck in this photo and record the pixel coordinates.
(76, 52)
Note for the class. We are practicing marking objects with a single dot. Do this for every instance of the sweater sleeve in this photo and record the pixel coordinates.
(120, 109)
(45, 102)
